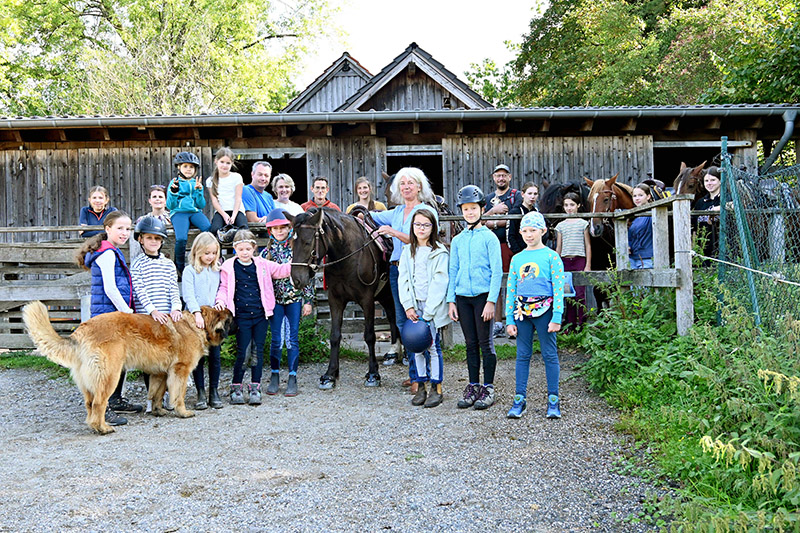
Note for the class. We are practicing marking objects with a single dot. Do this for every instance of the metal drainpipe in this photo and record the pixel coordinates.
(789, 118)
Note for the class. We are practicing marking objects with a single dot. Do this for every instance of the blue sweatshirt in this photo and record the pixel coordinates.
(476, 265)
(535, 273)
(187, 199)
(640, 238)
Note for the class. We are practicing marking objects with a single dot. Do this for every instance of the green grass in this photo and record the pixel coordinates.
(26, 359)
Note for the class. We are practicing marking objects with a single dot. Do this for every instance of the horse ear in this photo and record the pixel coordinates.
(611, 181)
(289, 217)
(545, 184)
(698, 169)
(588, 181)
(683, 166)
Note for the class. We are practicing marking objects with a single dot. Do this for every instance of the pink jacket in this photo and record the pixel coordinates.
(265, 270)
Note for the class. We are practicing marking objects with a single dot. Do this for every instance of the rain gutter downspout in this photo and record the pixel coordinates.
(789, 118)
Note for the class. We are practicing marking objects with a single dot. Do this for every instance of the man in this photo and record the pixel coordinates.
(500, 202)
(320, 192)
(255, 198)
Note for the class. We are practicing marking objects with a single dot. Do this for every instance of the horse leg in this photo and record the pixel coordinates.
(328, 379)
(373, 378)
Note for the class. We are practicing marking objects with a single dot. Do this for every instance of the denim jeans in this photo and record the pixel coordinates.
(637, 263)
(250, 329)
(181, 223)
(429, 368)
(547, 342)
(292, 313)
(400, 315)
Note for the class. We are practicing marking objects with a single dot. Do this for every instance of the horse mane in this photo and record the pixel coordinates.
(333, 221)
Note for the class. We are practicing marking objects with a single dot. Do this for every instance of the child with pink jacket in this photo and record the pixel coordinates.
(246, 289)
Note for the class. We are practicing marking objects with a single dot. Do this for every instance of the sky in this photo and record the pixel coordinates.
(454, 33)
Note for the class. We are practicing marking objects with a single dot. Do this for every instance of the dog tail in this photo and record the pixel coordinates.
(62, 351)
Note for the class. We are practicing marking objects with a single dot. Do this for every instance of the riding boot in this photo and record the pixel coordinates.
(291, 386)
(421, 395)
(274, 383)
(435, 397)
(213, 399)
(202, 402)
(414, 387)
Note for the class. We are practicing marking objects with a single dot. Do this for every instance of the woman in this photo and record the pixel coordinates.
(366, 196)
(283, 185)
(708, 225)
(412, 191)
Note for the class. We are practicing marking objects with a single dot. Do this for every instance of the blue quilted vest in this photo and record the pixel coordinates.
(101, 303)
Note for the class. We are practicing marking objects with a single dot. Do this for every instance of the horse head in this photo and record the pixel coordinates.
(690, 180)
(310, 245)
(602, 199)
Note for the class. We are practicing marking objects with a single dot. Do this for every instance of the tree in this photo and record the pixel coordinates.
(137, 56)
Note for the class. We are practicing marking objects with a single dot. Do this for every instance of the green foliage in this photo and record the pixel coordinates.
(26, 359)
(135, 56)
(313, 345)
(721, 406)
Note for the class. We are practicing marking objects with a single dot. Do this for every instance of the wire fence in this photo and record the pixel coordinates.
(759, 241)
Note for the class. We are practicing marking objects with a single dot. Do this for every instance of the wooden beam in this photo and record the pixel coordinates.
(459, 126)
(412, 68)
(239, 132)
(17, 135)
(545, 127)
(630, 125)
(501, 127)
(283, 131)
(714, 124)
(373, 128)
(329, 130)
(621, 248)
(62, 135)
(669, 278)
(196, 133)
(151, 133)
(416, 128)
(587, 125)
(106, 134)
(660, 222)
(673, 124)
(684, 296)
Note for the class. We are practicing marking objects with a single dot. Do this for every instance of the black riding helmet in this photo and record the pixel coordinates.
(470, 194)
(186, 157)
(151, 225)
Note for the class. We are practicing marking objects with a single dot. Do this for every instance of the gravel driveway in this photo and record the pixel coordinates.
(353, 459)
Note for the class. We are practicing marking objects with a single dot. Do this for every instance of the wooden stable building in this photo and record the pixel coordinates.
(350, 123)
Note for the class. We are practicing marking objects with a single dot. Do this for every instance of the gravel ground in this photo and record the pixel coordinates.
(352, 459)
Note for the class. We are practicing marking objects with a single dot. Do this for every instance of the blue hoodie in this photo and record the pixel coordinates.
(187, 199)
(476, 265)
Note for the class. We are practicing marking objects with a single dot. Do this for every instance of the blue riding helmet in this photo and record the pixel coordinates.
(151, 225)
(277, 217)
(186, 157)
(470, 194)
(416, 336)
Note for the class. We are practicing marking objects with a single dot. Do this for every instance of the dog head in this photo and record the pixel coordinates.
(218, 324)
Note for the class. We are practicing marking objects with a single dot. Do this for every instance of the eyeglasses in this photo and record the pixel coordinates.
(423, 225)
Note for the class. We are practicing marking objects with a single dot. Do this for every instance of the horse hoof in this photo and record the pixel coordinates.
(326, 383)
(372, 380)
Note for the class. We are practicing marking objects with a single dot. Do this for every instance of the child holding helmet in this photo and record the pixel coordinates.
(422, 286)
(476, 272)
(185, 202)
(535, 301)
(289, 303)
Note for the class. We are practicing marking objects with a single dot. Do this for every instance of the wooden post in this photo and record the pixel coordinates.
(621, 236)
(660, 221)
(684, 294)
(86, 307)
(777, 238)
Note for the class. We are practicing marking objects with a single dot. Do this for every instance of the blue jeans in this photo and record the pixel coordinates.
(250, 329)
(181, 223)
(292, 312)
(400, 315)
(547, 341)
(637, 263)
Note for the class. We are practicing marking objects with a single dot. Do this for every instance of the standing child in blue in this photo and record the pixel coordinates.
(476, 272)
(289, 303)
(535, 300)
(422, 282)
(640, 232)
(112, 290)
(185, 202)
(155, 279)
(200, 286)
(245, 287)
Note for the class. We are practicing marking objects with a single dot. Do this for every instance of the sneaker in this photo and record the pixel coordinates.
(255, 393)
(553, 407)
(498, 330)
(237, 398)
(113, 419)
(121, 405)
(486, 397)
(165, 403)
(470, 395)
(274, 383)
(389, 359)
(518, 407)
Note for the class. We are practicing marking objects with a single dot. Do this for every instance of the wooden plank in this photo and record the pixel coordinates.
(621, 240)
(667, 278)
(684, 296)
(660, 222)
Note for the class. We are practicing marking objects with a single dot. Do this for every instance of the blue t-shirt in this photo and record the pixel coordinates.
(260, 202)
(394, 218)
(640, 238)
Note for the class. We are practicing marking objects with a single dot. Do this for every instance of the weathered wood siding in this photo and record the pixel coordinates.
(343, 161)
(49, 187)
(407, 92)
(339, 88)
(471, 159)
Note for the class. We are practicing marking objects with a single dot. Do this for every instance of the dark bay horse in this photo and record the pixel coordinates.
(355, 271)
(690, 181)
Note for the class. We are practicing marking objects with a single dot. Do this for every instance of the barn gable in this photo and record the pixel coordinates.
(336, 84)
(414, 81)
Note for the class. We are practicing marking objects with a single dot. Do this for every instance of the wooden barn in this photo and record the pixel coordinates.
(350, 123)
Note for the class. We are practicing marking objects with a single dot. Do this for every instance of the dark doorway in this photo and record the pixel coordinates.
(667, 161)
(430, 164)
(293, 166)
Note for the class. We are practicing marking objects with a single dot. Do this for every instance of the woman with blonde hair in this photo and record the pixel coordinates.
(366, 196)
(283, 185)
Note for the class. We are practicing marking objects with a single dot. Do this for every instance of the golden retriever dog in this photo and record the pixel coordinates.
(100, 348)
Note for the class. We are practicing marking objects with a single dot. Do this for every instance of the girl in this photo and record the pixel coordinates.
(423, 290)
(185, 202)
(476, 271)
(96, 212)
(283, 185)
(155, 280)
(709, 224)
(158, 209)
(366, 196)
(640, 232)
(225, 188)
(112, 290)
(289, 303)
(530, 193)
(535, 300)
(574, 247)
(200, 286)
(245, 287)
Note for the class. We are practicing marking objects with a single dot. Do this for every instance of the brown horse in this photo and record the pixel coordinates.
(690, 181)
(606, 196)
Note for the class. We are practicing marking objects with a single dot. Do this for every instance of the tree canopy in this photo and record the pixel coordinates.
(138, 56)
(651, 52)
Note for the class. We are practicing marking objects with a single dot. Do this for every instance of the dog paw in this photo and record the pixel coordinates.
(185, 414)
(158, 411)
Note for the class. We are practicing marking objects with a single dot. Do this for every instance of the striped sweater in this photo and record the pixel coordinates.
(155, 284)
